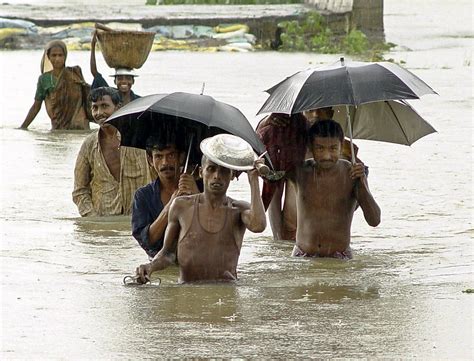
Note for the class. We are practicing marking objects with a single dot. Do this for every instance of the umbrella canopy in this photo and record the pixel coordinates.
(186, 117)
(352, 83)
(388, 121)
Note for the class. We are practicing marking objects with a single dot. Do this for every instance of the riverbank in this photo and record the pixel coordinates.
(260, 20)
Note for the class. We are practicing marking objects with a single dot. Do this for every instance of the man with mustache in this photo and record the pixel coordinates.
(205, 230)
(107, 175)
(152, 202)
(328, 190)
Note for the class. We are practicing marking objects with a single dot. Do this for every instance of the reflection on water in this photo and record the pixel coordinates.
(401, 296)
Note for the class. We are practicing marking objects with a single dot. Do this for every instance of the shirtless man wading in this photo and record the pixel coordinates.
(206, 230)
(328, 189)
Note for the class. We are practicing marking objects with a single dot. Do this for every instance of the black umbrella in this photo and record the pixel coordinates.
(352, 83)
(183, 117)
(357, 84)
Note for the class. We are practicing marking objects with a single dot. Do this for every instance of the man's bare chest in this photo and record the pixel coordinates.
(332, 189)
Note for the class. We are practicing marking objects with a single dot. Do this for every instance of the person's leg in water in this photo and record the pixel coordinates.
(274, 211)
(283, 217)
(288, 227)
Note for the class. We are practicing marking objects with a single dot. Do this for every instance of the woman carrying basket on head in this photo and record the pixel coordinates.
(63, 89)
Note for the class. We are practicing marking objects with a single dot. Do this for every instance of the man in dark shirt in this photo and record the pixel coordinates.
(152, 202)
(123, 78)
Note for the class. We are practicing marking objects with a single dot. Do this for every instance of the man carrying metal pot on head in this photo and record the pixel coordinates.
(205, 230)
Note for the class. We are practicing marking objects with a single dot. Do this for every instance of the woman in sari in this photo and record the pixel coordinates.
(63, 90)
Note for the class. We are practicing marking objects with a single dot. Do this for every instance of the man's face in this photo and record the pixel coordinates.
(323, 114)
(124, 83)
(216, 179)
(102, 109)
(167, 162)
(326, 151)
(317, 114)
(56, 57)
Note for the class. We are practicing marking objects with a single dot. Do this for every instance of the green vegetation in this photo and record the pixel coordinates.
(222, 2)
(313, 35)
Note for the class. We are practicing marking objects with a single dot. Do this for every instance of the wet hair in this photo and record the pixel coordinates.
(98, 93)
(161, 142)
(326, 129)
(329, 111)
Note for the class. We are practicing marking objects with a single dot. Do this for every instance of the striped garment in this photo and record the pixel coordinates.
(96, 191)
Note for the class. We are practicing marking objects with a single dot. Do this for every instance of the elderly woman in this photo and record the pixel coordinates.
(63, 90)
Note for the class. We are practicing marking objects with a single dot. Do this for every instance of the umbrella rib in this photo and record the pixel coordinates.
(299, 91)
(398, 122)
(350, 85)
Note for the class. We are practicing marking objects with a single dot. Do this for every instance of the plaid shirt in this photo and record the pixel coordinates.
(96, 191)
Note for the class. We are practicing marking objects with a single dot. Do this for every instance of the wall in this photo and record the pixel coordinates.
(365, 15)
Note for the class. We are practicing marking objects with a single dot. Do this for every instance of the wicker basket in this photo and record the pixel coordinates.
(125, 49)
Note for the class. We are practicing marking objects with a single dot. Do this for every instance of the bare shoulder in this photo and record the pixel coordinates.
(344, 164)
(307, 166)
(185, 200)
(182, 203)
(343, 167)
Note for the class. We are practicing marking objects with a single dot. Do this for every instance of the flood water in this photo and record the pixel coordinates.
(401, 296)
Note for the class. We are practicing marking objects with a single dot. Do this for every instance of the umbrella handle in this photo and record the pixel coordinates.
(189, 153)
(262, 169)
(349, 125)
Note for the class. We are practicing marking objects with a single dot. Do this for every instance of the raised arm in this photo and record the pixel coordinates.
(146, 229)
(187, 186)
(364, 197)
(34, 110)
(158, 227)
(274, 119)
(93, 64)
(167, 255)
(254, 217)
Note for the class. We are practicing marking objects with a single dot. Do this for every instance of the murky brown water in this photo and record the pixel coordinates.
(401, 296)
